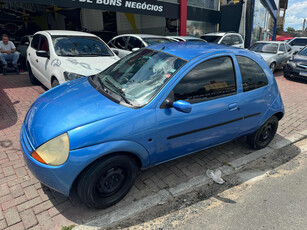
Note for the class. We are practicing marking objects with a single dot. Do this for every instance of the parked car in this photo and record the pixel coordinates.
(57, 56)
(186, 38)
(125, 44)
(298, 43)
(297, 66)
(150, 107)
(225, 38)
(276, 54)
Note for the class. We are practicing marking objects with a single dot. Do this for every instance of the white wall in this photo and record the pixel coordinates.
(92, 19)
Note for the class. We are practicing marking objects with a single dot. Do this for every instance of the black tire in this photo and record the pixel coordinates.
(107, 181)
(273, 66)
(264, 135)
(55, 83)
(286, 75)
(32, 78)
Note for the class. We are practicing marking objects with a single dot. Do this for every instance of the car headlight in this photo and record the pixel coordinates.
(291, 63)
(53, 152)
(72, 76)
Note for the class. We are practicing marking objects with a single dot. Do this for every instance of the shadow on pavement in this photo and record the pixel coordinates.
(8, 114)
(152, 180)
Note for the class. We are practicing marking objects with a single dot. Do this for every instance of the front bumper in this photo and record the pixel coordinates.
(295, 71)
(59, 178)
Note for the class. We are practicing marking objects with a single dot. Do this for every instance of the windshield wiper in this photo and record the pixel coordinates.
(119, 91)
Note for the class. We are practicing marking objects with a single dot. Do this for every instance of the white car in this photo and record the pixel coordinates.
(298, 43)
(186, 38)
(225, 38)
(125, 44)
(57, 56)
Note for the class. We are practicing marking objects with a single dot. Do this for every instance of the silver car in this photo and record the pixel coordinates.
(276, 54)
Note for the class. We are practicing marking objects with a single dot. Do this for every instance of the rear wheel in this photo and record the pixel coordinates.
(32, 78)
(264, 135)
(286, 74)
(107, 181)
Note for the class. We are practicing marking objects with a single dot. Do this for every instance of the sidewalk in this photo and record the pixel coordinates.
(26, 204)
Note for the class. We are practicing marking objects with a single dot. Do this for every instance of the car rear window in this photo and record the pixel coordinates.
(252, 74)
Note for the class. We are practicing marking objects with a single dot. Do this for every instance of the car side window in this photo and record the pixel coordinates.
(299, 42)
(35, 41)
(208, 80)
(227, 41)
(282, 48)
(134, 43)
(289, 49)
(236, 39)
(253, 77)
(120, 42)
(44, 44)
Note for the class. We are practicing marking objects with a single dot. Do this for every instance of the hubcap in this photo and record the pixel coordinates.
(111, 181)
(266, 132)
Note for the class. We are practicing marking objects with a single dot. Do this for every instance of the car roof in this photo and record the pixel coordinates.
(191, 49)
(185, 37)
(143, 35)
(67, 33)
(277, 42)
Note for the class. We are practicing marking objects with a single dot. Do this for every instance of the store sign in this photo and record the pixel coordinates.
(148, 7)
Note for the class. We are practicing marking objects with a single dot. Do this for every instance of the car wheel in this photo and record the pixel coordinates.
(107, 181)
(264, 135)
(32, 78)
(55, 83)
(273, 66)
(286, 75)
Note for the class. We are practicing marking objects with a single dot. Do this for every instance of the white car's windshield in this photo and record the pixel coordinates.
(79, 46)
(211, 38)
(139, 76)
(264, 48)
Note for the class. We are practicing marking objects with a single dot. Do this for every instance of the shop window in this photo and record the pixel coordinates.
(210, 79)
(134, 43)
(35, 41)
(252, 74)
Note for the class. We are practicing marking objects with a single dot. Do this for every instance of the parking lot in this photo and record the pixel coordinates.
(26, 204)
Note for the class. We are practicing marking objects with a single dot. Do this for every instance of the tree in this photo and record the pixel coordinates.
(290, 29)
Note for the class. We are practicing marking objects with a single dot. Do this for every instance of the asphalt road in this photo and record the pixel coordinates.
(269, 195)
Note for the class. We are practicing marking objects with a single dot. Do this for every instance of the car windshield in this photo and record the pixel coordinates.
(153, 41)
(79, 46)
(211, 38)
(264, 48)
(303, 52)
(138, 77)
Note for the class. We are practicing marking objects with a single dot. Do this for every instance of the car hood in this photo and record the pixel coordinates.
(300, 59)
(66, 107)
(85, 65)
(266, 56)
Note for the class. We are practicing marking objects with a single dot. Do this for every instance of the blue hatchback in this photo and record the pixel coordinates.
(155, 105)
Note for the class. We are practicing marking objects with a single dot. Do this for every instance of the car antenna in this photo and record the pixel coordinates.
(162, 48)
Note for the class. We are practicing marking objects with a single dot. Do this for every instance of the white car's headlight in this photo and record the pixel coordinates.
(72, 76)
(53, 152)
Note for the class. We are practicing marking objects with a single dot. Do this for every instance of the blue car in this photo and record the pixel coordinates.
(155, 105)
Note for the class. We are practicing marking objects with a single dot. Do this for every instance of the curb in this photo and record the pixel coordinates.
(167, 194)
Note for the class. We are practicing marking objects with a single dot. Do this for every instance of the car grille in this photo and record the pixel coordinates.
(303, 66)
(27, 146)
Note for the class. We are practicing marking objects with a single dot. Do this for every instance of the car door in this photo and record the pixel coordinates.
(119, 46)
(43, 63)
(255, 98)
(31, 55)
(210, 87)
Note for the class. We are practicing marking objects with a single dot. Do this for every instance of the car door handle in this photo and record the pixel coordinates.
(233, 106)
(29, 54)
(36, 60)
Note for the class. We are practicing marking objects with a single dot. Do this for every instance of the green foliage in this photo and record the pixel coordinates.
(290, 29)
(68, 227)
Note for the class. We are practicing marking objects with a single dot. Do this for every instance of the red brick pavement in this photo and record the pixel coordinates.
(26, 204)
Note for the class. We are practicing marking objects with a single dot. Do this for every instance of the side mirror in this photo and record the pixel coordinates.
(182, 106)
(135, 49)
(42, 53)
(295, 52)
(27, 43)
(116, 52)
